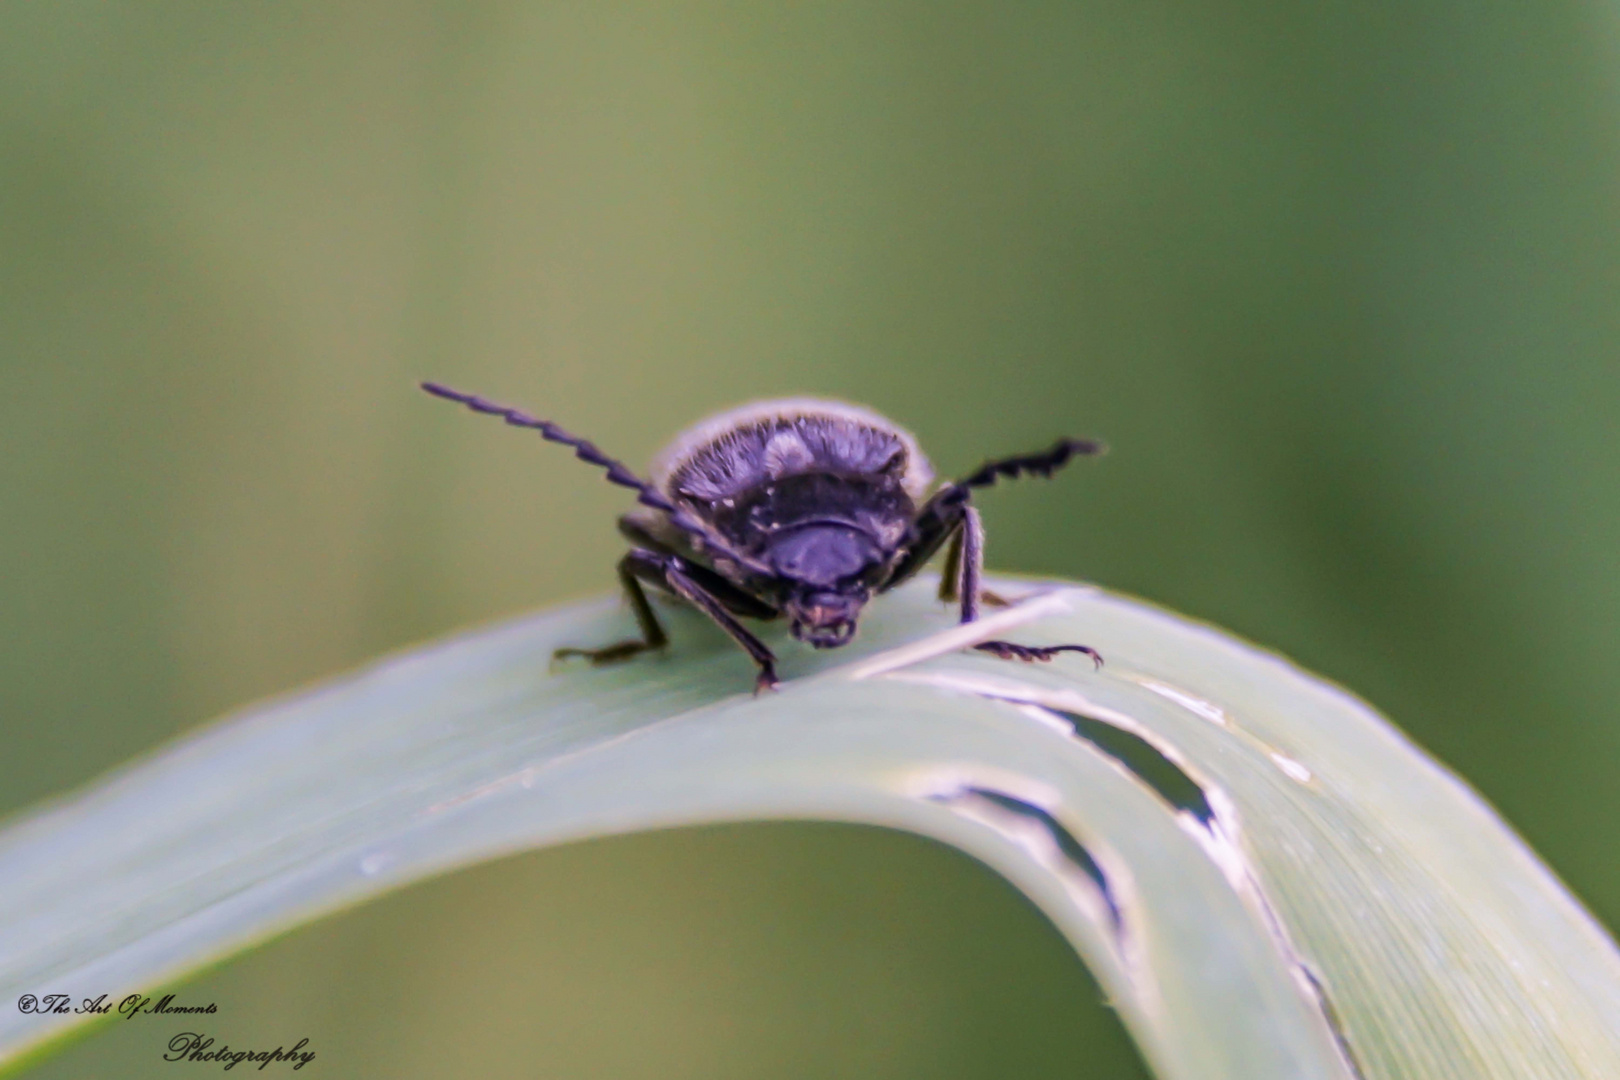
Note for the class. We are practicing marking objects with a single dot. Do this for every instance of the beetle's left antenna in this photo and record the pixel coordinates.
(617, 473)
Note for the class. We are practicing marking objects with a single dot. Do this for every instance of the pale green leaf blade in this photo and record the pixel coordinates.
(1322, 872)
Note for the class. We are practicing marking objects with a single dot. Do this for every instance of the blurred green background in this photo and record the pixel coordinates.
(1337, 282)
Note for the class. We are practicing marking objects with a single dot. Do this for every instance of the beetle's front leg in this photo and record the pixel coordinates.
(972, 541)
(941, 522)
(950, 577)
(672, 573)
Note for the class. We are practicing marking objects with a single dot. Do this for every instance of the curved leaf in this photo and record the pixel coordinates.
(1266, 878)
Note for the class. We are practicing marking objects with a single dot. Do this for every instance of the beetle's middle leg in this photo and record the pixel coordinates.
(671, 572)
(971, 538)
(950, 576)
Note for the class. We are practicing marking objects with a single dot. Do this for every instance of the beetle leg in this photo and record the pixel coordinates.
(972, 534)
(635, 565)
(1008, 650)
(736, 600)
(673, 573)
(950, 574)
(935, 523)
(950, 577)
(970, 537)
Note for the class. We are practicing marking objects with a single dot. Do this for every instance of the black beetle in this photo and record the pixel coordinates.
(799, 507)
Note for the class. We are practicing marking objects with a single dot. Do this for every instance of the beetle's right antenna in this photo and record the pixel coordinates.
(586, 451)
(1043, 463)
(945, 509)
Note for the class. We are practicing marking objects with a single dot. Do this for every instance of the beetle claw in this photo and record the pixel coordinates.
(1008, 650)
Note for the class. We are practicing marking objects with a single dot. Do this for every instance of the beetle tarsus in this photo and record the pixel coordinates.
(967, 547)
(1008, 650)
(611, 654)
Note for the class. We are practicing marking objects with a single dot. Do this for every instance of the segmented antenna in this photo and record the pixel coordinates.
(1042, 464)
(948, 501)
(586, 451)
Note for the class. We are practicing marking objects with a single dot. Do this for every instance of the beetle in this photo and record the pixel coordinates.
(799, 507)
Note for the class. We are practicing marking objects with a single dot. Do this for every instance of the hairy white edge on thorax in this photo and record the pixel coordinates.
(919, 475)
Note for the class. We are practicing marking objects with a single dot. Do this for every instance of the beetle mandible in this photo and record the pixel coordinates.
(798, 507)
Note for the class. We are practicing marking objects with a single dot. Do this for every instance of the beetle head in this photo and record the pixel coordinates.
(827, 572)
(825, 620)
